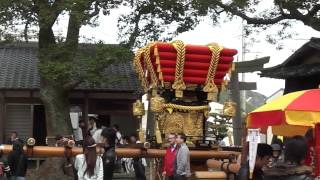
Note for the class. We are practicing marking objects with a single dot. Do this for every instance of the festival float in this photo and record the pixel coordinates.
(181, 84)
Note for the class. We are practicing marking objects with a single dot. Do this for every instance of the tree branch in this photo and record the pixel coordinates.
(252, 20)
(314, 10)
(57, 8)
(96, 10)
(135, 33)
(77, 18)
(308, 19)
(48, 14)
(71, 85)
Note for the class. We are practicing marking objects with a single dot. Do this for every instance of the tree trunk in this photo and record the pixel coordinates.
(56, 102)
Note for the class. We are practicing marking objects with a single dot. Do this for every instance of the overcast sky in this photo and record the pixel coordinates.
(227, 34)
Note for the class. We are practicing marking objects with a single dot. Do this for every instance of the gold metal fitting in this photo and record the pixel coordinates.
(31, 142)
(229, 108)
(138, 109)
(70, 143)
(156, 103)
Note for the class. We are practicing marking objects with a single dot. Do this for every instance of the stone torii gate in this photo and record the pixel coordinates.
(236, 86)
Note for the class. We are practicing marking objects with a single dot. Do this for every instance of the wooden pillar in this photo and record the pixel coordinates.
(2, 119)
(85, 112)
(236, 121)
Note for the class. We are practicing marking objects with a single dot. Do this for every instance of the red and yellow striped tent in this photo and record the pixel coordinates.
(291, 114)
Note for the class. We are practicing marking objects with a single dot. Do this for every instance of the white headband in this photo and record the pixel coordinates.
(93, 145)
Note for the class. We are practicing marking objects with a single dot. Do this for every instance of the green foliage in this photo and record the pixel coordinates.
(219, 127)
(152, 20)
(87, 64)
(65, 63)
(260, 17)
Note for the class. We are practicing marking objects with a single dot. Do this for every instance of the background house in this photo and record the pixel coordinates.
(301, 70)
(21, 109)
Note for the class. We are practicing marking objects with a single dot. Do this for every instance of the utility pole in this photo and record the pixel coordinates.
(243, 78)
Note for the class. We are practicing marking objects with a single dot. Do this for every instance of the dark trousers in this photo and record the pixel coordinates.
(170, 178)
(139, 169)
(179, 177)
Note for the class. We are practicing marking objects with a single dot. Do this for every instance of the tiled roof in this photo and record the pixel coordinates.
(296, 65)
(18, 70)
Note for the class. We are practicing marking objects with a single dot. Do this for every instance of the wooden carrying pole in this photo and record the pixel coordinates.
(46, 151)
(223, 166)
(204, 175)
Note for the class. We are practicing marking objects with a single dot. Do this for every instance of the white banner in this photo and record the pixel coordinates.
(253, 138)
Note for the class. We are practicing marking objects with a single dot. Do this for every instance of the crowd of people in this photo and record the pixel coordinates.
(288, 161)
(176, 163)
(90, 165)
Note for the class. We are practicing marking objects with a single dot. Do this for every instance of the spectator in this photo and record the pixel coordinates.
(92, 125)
(89, 165)
(170, 156)
(182, 160)
(138, 163)
(264, 153)
(310, 142)
(127, 163)
(17, 161)
(118, 133)
(97, 134)
(126, 139)
(109, 155)
(84, 129)
(78, 133)
(13, 137)
(276, 154)
(293, 168)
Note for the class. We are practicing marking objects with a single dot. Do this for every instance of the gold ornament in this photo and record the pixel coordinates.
(156, 104)
(210, 86)
(185, 108)
(206, 113)
(173, 123)
(190, 123)
(170, 110)
(158, 133)
(212, 91)
(147, 61)
(179, 84)
(224, 85)
(229, 108)
(154, 92)
(139, 69)
(138, 109)
(141, 136)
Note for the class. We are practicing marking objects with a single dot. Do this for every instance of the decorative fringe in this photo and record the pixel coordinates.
(141, 136)
(179, 93)
(158, 134)
(160, 76)
(211, 96)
